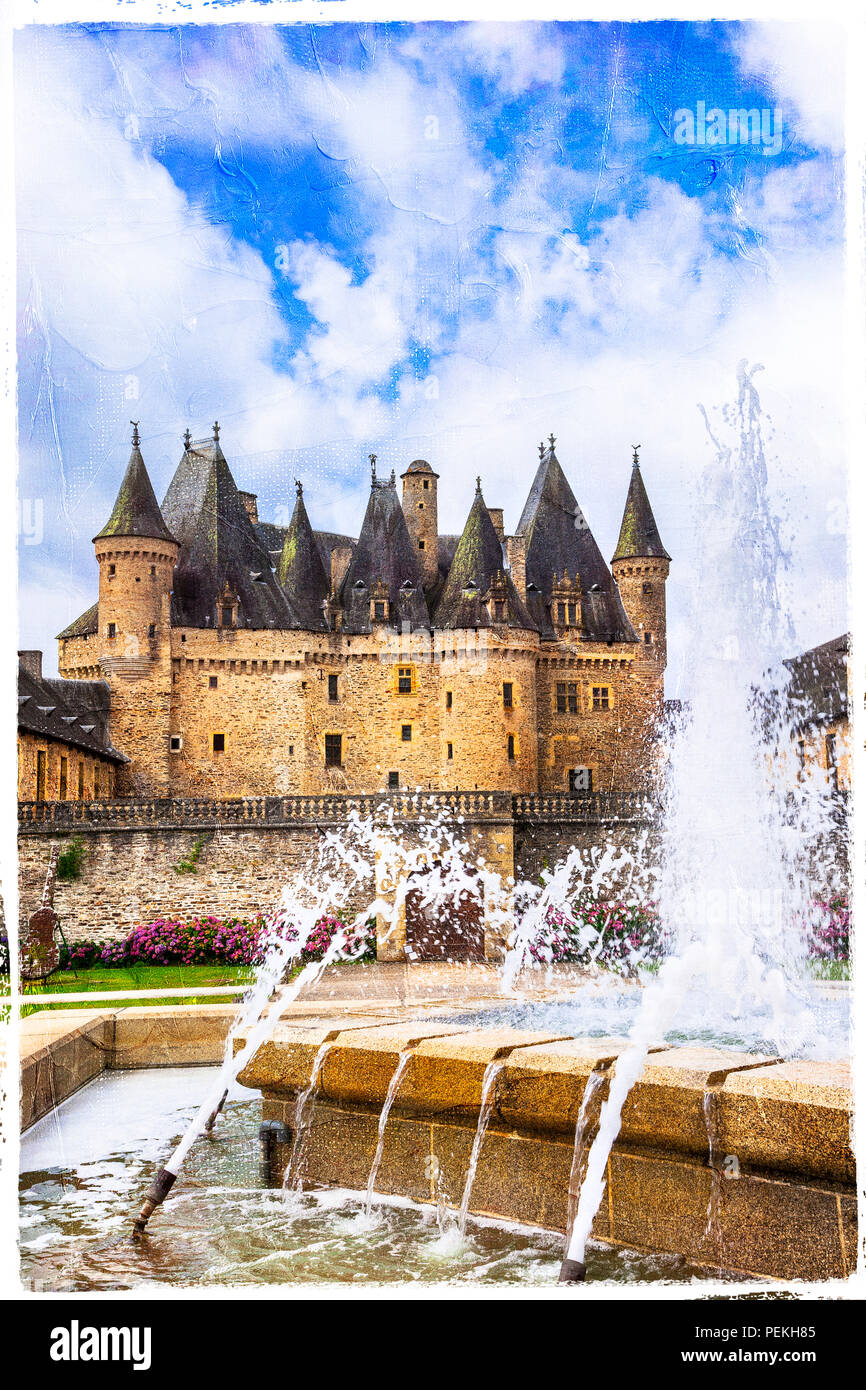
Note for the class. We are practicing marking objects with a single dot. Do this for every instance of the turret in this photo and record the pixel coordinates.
(640, 566)
(421, 510)
(137, 554)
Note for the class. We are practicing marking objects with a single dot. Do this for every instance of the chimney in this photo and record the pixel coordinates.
(495, 514)
(515, 549)
(341, 556)
(250, 501)
(32, 663)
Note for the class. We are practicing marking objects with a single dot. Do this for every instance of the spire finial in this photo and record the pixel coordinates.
(552, 438)
(135, 435)
(187, 438)
(216, 431)
(478, 486)
(541, 450)
(393, 478)
(299, 487)
(635, 461)
(372, 458)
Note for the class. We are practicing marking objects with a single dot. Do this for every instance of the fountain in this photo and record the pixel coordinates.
(540, 1097)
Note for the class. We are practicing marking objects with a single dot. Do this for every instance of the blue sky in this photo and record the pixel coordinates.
(437, 240)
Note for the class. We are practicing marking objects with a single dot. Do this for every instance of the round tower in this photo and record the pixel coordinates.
(137, 555)
(421, 510)
(640, 567)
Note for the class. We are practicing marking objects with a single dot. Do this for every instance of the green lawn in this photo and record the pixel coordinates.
(98, 979)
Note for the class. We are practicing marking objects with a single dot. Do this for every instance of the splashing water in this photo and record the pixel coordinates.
(488, 1095)
(393, 1087)
(302, 1119)
(581, 1134)
(734, 891)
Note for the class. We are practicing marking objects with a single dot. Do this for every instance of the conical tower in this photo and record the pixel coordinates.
(300, 570)
(641, 566)
(383, 584)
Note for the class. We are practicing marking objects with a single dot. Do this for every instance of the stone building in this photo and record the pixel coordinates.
(818, 711)
(245, 658)
(64, 748)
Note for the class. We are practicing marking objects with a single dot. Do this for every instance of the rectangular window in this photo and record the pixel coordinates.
(406, 733)
(420, 545)
(379, 612)
(426, 485)
(450, 753)
(512, 748)
(580, 781)
(219, 743)
(647, 637)
(112, 569)
(647, 588)
(572, 614)
(333, 689)
(151, 631)
(508, 694)
(152, 571)
(499, 611)
(112, 629)
(81, 781)
(226, 617)
(560, 613)
(404, 680)
(64, 778)
(97, 781)
(175, 743)
(393, 779)
(600, 697)
(566, 697)
(449, 699)
(40, 776)
(333, 750)
(212, 682)
(801, 754)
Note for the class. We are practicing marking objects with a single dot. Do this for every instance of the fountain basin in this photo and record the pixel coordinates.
(778, 1200)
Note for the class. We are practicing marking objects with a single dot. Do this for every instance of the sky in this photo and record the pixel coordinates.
(433, 240)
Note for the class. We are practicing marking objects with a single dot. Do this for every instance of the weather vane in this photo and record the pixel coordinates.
(552, 438)
(135, 438)
(635, 461)
(299, 487)
(187, 439)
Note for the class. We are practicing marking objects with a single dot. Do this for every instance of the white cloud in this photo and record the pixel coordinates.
(805, 66)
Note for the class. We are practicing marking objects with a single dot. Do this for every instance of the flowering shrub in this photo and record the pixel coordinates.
(620, 936)
(211, 940)
(831, 934)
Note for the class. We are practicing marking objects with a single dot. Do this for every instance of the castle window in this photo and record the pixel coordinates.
(450, 751)
(81, 781)
(175, 743)
(64, 778)
(112, 569)
(566, 697)
(226, 617)
(379, 612)
(449, 699)
(512, 748)
(406, 733)
(219, 743)
(97, 781)
(498, 611)
(333, 691)
(420, 506)
(572, 614)
(647, 637)
(601, 697)
(405, 680)
(426, 484)
(646, 588)
(40, 776)
(212, 682)
(830, 758)
(560, 613)
(333, 750)
(508, 694)
(580, 781)
(291, 750)
(151, 631)
(420, 545)
(152, 570)
(393, 780)
(112, 629)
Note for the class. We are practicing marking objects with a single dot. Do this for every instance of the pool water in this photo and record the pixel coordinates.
(84, 1169)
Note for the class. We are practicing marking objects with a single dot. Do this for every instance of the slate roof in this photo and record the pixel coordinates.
(818, 687)
(384, 552)
(638, 535)
(477, 559)
(301, 572)
(84, 626)
(71, 712)
(219, 546)
(136, 510)
(558, 540)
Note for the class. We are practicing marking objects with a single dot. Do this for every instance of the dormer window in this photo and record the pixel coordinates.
(227, 608)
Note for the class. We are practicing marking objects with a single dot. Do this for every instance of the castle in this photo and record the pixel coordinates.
(244, 658)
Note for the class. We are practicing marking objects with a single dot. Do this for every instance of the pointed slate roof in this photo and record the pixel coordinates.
(384, 552)
(638, 536)
(300, 570)
(477, 559)
(558, 541)
(219, 546)
(136, 510)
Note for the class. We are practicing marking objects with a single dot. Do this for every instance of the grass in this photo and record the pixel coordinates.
(97, 978)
